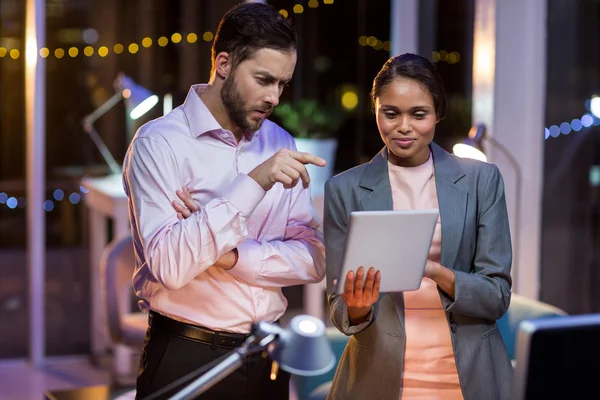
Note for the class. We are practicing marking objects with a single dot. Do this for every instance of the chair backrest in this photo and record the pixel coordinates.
(522, 308)
(117, 267)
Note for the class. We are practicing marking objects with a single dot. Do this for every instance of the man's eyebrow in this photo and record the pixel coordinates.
(267, 76)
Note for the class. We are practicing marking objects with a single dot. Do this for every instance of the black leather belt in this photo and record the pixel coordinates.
(196, 333)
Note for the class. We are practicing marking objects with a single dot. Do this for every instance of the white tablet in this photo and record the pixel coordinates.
(394, 242)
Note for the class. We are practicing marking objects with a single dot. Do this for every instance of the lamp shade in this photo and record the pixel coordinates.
(302, 348)
(467, 150)
(471, 147)
(138, 99)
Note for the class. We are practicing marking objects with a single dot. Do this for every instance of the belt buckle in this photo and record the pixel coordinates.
(215, 340)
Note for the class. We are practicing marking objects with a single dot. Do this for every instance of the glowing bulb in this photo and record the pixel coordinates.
(349, 100)
(144, 107)
(192, 38)
(465, 151)
(595, 106)
(163, 41)
(176, 38)
(307, 326)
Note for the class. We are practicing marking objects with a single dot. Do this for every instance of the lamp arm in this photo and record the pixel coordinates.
(518, 177)
(106, 154)
(103, 109)
(212, 377)
(224, 368)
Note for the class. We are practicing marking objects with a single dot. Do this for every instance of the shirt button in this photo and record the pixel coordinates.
(453, 327)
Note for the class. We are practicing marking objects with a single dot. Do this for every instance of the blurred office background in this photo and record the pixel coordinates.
(527, 71)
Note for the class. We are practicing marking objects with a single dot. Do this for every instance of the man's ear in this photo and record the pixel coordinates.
(222, 65)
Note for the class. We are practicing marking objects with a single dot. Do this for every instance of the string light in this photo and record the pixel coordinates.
(13, 202)
(376, 44)
(176, 37)
(192, 37)
(133, 48)
(575, 125)
(163, 41)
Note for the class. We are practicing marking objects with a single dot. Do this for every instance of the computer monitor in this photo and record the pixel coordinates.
(558, 358)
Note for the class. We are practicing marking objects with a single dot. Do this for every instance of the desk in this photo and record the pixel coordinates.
(106, 199)
(91, 393)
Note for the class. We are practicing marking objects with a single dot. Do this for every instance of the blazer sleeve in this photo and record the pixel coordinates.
(485, 291)
(335, 226)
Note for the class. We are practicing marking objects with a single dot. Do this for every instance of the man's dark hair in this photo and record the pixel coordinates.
(249, 27)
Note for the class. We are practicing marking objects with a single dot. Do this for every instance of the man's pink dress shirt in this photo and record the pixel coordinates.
(276, 232)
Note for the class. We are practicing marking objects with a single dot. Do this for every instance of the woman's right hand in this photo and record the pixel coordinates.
(359, 297)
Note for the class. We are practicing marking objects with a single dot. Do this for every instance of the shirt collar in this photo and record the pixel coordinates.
(198, 115)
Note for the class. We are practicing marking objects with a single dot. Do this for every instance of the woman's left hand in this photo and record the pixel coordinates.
(431, 269)
(188, 207)
(442, 276)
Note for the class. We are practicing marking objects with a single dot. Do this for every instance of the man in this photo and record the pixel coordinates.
(206, 276)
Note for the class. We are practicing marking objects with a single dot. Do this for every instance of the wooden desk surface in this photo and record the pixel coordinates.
(101, 392)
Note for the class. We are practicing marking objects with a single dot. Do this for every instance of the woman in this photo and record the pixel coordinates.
(441, 341)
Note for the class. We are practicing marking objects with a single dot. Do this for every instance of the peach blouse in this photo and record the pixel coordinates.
(429, 365)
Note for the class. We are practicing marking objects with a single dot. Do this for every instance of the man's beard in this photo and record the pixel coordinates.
(235, 106)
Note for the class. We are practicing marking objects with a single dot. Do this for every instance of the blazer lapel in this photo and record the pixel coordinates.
(376, 184)
(452, 199)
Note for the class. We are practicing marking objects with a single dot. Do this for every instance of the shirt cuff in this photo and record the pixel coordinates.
(249, 264)
(245, 194)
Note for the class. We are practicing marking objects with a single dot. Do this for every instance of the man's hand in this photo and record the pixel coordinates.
(188, 207)
(227, 260)
(185, 210)
(285, 166)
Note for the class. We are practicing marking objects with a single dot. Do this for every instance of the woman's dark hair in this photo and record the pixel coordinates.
(249, 27)
(417, 69)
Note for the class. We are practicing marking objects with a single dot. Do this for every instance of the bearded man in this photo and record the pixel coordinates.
(219, 218)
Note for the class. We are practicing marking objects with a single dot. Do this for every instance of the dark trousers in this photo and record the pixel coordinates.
(166, 358)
